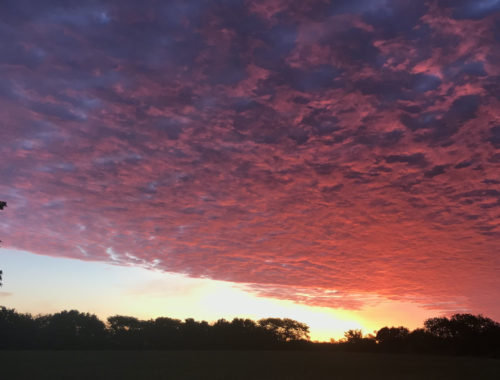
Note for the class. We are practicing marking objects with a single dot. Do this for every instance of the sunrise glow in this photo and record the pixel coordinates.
(333, 162)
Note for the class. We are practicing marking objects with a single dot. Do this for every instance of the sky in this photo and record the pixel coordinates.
(333, 156)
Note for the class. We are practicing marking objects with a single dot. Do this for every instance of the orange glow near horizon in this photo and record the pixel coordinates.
(40, 284)
(335, 162)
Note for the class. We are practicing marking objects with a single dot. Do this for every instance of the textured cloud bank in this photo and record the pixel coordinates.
(326, 152)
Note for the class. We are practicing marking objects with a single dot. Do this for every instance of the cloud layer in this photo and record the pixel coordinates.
(326, 152)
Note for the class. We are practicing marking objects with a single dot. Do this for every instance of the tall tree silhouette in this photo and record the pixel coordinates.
(2, 205)
(286, 330)
(392, 338)
(71, 330)
(353, 336)
(465, 333)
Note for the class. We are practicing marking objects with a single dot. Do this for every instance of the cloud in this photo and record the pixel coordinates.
(312, 149)
(494, 138)
(470, 9)
(435, 171)
(416, 159)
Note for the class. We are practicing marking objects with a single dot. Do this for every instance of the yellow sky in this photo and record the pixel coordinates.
(41, 284)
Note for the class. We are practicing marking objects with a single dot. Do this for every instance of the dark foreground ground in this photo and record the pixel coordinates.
(238, 365)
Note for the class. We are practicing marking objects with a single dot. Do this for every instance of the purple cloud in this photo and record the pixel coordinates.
(324, 152)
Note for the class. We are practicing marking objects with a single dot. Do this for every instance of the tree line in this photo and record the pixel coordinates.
(75, 330)
(461, 334)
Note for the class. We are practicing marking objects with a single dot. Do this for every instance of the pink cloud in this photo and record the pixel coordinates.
(313, 153)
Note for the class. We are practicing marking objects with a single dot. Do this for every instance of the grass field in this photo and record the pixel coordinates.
(39, 365)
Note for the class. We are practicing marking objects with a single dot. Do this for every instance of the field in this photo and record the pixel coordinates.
(238, 365)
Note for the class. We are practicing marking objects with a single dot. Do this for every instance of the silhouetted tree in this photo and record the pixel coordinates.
(119, 323)
(421, 341)
(353, 336)
(126, 332)
(17, 330)
(459, 334)
(71, 330)
(286, 330)
(465, 333)
(393, 339)
(241, 334)
(439, 327)
(355, 341)
(195, 334)
(162, 333)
